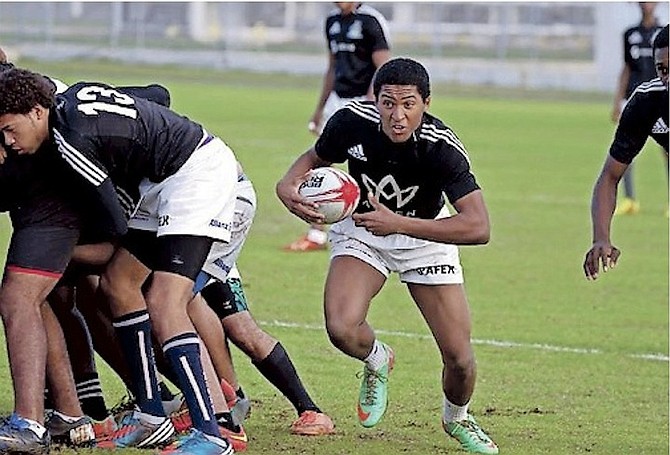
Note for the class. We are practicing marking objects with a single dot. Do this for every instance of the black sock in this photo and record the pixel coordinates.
(225, 419)
(279, 370)
(166, 393)
(89, 392)
(240, 393)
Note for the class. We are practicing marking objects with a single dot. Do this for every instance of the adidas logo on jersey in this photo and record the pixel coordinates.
(660, 127)
(357, 152)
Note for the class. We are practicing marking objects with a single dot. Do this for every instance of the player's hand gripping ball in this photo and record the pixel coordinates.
(333, 190)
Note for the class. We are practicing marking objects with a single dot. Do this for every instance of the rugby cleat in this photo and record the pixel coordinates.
(312, 423)
(198, 443)
(373, 396)
(80, 433)
(135, 431)
(471, 436)
(17, 437)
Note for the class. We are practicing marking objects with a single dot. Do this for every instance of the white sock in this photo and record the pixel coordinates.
(152, 419)
(317, 236)
(453, 412)
(67, 418)
(35, 427)
(377, 357)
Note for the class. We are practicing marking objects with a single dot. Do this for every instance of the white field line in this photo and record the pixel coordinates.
(497, 343)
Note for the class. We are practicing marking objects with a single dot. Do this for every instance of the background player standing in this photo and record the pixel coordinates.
(358, 44)
(638, 67)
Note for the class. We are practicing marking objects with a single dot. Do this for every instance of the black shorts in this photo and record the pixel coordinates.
(42, 250)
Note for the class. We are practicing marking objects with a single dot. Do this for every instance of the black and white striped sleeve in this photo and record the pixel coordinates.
(79, 153)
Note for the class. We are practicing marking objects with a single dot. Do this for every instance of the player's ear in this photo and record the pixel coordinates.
(39, 111)
(427, 102)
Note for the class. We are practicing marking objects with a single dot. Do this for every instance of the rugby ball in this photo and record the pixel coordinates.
(334, 191)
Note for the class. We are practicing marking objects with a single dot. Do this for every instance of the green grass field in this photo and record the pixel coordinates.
(565, 366)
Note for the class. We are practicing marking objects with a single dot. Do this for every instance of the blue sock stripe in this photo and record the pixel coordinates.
(184, 340)
(131, 319)
(183, 354)
(193, 382)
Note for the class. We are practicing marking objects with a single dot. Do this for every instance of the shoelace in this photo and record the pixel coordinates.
(372, 378)
(474, 427)
(125, 404)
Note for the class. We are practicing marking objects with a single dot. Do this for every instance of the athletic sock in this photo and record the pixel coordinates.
(377, 356)
(134, 333)
(228, 391)
(453, 412)
(183, 354)
(166, 393)
(279, 370)
(225, 419)
(240, 393)
(89, 392)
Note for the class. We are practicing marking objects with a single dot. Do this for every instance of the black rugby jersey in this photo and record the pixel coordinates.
(639, 55)
(645, 115)
(114, 140)
(352, 39)
(410, 178)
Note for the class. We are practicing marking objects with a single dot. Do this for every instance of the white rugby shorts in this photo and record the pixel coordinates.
(333, 104)
(220, 262)
(199, 199)
(415, 260)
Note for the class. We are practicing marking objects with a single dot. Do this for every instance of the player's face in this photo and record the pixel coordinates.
(401, 108)
(346, 7)
(24, 133)
(661, 61)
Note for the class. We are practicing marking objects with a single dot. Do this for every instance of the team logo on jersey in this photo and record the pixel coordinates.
(334, 29)
(355, 30)
(390, 189)
(357, 152)
(635, 38)
(660, 127)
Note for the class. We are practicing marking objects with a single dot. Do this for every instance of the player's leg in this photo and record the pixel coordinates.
(628, 205)
(351, 284)
(122, 283)
(445, 309)
(268, 355)
(36, 259)
(66, 422)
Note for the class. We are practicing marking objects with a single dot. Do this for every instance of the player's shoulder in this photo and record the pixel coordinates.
(438, 135)
(357, 110)
(366, 11)
(654, 88)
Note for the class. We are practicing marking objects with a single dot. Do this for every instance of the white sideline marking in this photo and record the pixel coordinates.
(497, 343)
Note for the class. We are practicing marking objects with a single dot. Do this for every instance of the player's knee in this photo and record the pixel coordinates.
(339, 331)
(22, 292)
(461, 365)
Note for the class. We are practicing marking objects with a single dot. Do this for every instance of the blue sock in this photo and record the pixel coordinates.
(134, 333)
(183, 354)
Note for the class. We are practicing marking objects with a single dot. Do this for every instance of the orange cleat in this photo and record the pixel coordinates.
(312, 423)
(304, 244)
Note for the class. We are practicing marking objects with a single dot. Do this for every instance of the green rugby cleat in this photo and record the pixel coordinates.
(471, 436)
(373, 397)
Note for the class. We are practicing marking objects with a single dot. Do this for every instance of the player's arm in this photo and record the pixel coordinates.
(620, 93)
(603, 202)
(79, 154)
(379, 57)
(326, 89)
(470, 226)
(287, 187)
(154, 92)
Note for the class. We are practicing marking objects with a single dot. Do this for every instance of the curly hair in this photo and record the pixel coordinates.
(21, 90)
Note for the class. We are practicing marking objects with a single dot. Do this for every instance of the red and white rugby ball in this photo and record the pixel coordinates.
(335, 192)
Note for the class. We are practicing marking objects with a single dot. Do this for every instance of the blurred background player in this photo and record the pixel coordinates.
(638, 67)
(358, 43)
(645, 115)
